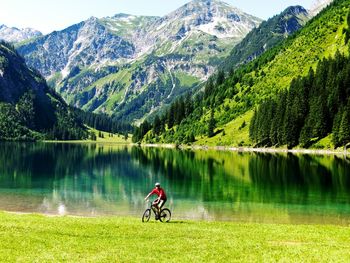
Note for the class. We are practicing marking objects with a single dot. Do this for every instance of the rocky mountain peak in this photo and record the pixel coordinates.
(292, 19)
(121, 16)
(295, 10)
(207, 9)
(90, 26)
(91, 20)
(207, 3)
(211, 17)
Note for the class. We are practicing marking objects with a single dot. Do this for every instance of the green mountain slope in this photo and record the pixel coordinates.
(269, 34)
(29, 109)
(255, 82)
(313, 107)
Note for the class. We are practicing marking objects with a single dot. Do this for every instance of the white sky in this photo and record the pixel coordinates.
(50, 15)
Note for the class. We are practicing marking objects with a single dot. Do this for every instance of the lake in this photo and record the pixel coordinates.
(99, 180)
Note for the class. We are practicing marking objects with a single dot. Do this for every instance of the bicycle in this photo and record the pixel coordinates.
(165, 214)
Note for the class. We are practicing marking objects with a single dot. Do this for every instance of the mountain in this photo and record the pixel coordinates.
(228, 104)
(268, 35)
(83, 44)
(15, 35)
(129, 65)
(29, 109)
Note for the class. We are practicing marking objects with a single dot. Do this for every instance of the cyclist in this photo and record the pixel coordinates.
(160, 201)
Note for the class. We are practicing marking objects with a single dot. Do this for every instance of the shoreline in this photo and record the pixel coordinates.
(89, 142)
(213, 148)
(250, 149)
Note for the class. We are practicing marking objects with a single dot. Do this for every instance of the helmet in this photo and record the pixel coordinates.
(157, 184)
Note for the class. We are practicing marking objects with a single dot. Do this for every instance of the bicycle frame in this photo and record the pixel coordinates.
(153, 208)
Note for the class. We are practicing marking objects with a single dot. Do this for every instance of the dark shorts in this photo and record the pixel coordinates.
(160, 203)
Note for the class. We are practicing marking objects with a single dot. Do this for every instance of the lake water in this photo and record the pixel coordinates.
(96, 180)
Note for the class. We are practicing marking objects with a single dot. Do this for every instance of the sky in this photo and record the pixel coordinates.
(49, 15)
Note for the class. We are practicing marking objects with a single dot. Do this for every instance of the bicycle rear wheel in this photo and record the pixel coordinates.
(165, 215)
(146, 215)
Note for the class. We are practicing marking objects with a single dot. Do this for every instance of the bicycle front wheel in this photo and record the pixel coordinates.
(146, 215)
(165, 215)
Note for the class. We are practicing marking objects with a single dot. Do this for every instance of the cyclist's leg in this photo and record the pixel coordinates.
(161, 204)
(155, 208)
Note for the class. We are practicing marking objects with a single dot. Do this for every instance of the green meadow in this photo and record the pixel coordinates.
(38, 238)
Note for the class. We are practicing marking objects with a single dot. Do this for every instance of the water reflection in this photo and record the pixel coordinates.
(91, 179)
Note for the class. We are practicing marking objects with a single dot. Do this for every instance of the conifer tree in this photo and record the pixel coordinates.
(282, 114)
(291, 119)
(253, 126)
(171, 116)
(209, 88)
(188, 105)
(264, 121)
(179, 111)
(126, 136)
(336, 125)
(220, 78)
(157, 125)
(10, 126)
(92, 136)
(25, 108)
(211, 124)
(344, 127)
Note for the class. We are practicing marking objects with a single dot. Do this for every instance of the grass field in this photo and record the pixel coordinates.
(36, 238)
(236, 133)
(106, 138)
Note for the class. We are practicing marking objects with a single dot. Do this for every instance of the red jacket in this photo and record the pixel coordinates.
(160, 193)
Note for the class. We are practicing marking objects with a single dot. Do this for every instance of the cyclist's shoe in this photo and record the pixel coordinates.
(157, 217)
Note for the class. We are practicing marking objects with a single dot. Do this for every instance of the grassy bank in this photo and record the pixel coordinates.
(28, 238)
(101, 137)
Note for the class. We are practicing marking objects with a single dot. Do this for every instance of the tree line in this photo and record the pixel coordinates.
(166, 122)
(23, 121)
(103, 122)
(312, 108)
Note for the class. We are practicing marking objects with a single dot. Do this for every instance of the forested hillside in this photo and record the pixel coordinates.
(267, 35)
(312, 108)
(29, 109)
(223, 110)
